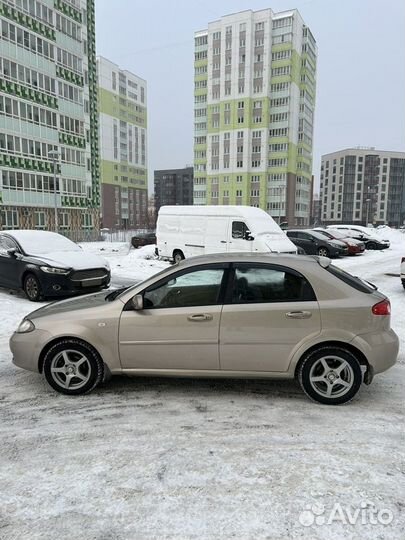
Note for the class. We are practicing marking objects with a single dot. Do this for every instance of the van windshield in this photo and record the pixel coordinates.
(264, 226)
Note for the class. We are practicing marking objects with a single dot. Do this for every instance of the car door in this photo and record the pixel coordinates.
(237, 239)
(8, 264)
(268, 312)
(178, 327)
(216, 234)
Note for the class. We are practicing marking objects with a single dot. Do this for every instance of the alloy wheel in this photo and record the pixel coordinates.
(331, 376)
(70, 369)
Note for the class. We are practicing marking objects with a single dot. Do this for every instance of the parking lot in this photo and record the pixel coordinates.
(170, 458)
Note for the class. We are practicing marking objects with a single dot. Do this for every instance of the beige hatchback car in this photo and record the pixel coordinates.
(226, 315)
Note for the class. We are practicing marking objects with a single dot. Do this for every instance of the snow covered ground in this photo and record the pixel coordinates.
(166, 458)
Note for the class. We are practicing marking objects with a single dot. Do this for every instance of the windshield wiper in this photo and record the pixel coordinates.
(113, 294)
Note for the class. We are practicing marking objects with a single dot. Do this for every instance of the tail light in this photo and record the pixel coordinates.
(382, 308)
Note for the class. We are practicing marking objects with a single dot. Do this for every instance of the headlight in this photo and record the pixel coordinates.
(52, 270)
(25, 326)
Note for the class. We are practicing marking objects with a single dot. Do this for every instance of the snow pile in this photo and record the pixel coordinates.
(125, 261)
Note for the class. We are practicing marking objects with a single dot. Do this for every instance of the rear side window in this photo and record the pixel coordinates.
(353, 281)
(261, 284)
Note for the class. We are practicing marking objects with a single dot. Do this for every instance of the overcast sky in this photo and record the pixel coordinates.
(360, 76)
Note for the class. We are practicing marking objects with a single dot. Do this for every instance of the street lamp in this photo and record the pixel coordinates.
(367, 209)
(54, 155)
(281, 188)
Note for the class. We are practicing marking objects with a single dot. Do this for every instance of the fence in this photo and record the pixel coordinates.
(105, 235)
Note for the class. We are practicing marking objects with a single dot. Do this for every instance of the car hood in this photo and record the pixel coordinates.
(71, 304)
(278, 242)
(78, 260)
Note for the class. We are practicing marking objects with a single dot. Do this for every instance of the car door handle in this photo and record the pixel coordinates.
(200, 317)
(298, 314)
(223, 242)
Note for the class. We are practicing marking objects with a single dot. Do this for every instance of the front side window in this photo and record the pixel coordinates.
(263, 284)
(239, 229)
(196, 288)
(6, 244)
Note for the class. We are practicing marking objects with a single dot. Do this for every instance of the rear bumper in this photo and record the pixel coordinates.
(380, 349)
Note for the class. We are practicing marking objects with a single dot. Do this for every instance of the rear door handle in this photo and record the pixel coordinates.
(298, 314)
(200, 317)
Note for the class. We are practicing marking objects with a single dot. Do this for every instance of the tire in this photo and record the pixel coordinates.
(372, 245)
(325, 365)
(178, 256)
(323, 252)
(73, 367)
(32, 288)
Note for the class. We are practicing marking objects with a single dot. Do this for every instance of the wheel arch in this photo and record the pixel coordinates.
(341, 344)
(58, 339)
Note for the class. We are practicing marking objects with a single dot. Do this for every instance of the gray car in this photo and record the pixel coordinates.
(225, 315)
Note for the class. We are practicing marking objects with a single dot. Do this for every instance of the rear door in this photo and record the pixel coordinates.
(269, 311)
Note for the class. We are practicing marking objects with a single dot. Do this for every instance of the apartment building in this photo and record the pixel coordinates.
(123, 146)
(173, 186)
(254, 100)
(363, 185)
(48, 115)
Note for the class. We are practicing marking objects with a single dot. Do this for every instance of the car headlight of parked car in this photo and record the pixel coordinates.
(53, 270)
(25, 326)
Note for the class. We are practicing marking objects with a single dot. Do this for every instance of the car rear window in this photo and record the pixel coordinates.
(353, 281)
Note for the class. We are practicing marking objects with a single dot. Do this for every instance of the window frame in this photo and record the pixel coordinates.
(228, 300)
(210, 266)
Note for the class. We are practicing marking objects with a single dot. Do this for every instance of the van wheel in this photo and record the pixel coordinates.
(178, 256)
(330, 375)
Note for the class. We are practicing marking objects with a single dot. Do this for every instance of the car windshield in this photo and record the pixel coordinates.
(43, 242)
(317, 234)
(337, 234)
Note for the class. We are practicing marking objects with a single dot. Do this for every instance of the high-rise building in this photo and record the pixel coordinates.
(123, 143)
(254, 99)
(363, 185)
(48, 115)
(173, 186)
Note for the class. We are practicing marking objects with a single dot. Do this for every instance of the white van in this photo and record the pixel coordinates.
(187, 231)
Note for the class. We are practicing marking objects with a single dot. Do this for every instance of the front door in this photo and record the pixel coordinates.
(8, 264)
(179, 326)
(237, 240)
(270, 311)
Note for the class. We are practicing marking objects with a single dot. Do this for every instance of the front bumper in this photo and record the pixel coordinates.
(56, 285)
(26, 348)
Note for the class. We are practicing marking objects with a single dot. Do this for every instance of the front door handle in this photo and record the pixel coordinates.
(298, 315)
(200, 317)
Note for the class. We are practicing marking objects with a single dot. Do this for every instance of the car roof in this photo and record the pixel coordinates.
(295, 261)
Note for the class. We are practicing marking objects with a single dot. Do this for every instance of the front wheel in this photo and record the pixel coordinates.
(323, 252)
(73, 367)
(372, 245)
(178, 256)
(32, 288)
(330, 375)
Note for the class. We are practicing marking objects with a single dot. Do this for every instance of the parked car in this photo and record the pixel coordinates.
(315, 243)
(143, 239)
(187, 231)
(354, 246)
(364, 234)
(46, 264)
(403, 271)
(226, 315)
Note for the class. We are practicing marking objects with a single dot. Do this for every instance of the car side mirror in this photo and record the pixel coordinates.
(12, 252)
(137, 302)
(248, 236)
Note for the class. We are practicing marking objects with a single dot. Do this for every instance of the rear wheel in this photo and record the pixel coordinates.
(178, 256)
(330, 375)
(73, 367)
(323, 252)
(32, 288)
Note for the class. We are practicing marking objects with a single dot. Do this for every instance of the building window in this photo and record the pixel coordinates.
(9, 219)
(64, 221)
(39, 220)
(87, 221)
